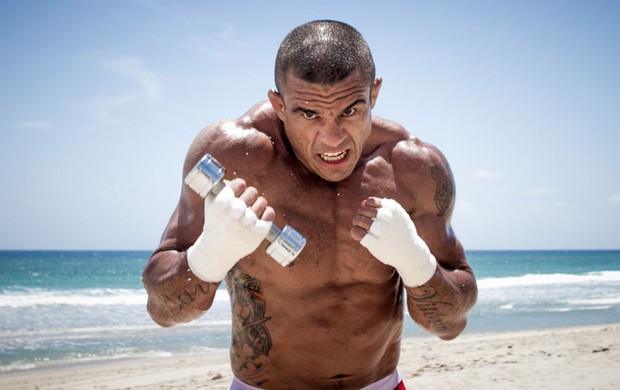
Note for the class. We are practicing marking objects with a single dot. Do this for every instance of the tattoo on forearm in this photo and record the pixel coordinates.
(445, 189)
(187, 297)
(425, 299)
(251, 341)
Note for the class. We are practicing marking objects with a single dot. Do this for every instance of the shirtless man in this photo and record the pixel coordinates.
(373, 202)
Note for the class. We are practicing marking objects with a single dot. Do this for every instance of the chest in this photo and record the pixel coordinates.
(300, 197)
(323, 212)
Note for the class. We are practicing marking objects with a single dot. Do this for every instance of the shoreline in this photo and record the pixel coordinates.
(556, 358)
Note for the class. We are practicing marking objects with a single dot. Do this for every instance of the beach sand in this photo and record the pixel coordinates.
(566, 358)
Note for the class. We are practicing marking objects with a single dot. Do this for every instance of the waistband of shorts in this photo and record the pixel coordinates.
(390, 382)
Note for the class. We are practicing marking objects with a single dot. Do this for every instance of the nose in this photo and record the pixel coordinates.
(332, 134)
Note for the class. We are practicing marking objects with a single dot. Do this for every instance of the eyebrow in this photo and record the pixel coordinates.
(297, 108)
(355, 103)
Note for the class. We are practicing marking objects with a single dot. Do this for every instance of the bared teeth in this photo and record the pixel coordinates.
(333, 156)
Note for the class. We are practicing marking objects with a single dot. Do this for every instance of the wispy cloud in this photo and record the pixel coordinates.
(487, 175)
(37, 125)
(134, 70)
(221, 43)
(561, 205)
(152, 4)
(543, 208)
(614, 198)
(227, 32)
(143, 84)
(542, 191)
(466, 207)
(212, 39)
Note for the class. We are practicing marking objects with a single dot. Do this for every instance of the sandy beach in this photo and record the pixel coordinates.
(566, 358)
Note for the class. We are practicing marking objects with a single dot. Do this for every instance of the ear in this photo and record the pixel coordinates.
(376, 86)
(276, 102)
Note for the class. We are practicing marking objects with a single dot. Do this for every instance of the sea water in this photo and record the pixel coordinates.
(75, 306)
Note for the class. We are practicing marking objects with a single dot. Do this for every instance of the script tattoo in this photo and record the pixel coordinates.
(251, 341)
(445, 189)
(187, 297)
(425, 300)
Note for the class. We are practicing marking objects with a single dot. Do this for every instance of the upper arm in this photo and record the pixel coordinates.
(230, 143)
(185, 223)
(430, 194)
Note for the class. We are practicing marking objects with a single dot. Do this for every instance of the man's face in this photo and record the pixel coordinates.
(327, 126)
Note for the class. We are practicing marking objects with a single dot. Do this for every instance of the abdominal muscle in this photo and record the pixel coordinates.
(291, 331)
(334, 317)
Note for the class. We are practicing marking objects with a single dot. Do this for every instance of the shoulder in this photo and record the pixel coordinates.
(233, 141)
(421, 170)
(404, 149)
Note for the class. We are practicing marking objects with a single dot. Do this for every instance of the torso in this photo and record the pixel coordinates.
(334, 317)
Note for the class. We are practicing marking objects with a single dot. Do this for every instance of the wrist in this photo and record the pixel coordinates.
(230, 232)
(393, 240)
(205, 264)
(419, 271)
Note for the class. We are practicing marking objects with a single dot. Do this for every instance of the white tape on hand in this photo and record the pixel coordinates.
(393, 240)
(231, 231)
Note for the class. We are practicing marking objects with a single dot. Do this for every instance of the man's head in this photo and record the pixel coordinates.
(323, 52)
(326, 84)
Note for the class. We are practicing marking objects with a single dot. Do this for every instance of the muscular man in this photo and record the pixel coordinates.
(373, 202)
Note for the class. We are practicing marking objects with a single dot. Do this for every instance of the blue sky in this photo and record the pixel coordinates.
(99, 101)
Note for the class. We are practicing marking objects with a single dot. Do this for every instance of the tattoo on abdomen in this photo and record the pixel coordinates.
(445, 189)
(251, 341)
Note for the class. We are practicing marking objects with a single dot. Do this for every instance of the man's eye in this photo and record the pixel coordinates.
(308, 114)
(349, 111)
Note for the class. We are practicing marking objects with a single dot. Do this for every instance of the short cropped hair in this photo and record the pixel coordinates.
(323, 52)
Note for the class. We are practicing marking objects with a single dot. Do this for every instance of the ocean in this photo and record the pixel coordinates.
(79, 306)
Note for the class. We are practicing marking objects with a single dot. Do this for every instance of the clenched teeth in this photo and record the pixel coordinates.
(333, 156)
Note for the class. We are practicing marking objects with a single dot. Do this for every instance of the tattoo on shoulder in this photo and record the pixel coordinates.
(251, 340)
(445, 189)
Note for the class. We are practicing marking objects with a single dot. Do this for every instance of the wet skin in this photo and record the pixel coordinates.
(315, 157)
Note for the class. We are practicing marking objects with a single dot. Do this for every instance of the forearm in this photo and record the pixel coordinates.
(175, 294)
(441, 305)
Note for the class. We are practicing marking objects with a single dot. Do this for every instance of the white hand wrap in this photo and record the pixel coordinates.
(393, 240)
(231, 231)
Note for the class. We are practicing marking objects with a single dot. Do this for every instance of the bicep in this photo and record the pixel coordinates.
(185, 224)
(434, 214)
(442, 241)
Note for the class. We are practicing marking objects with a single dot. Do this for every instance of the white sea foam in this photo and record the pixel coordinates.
(29, 297)
(606, 301)
(35, 297)
(549, 279)
(32, 297)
